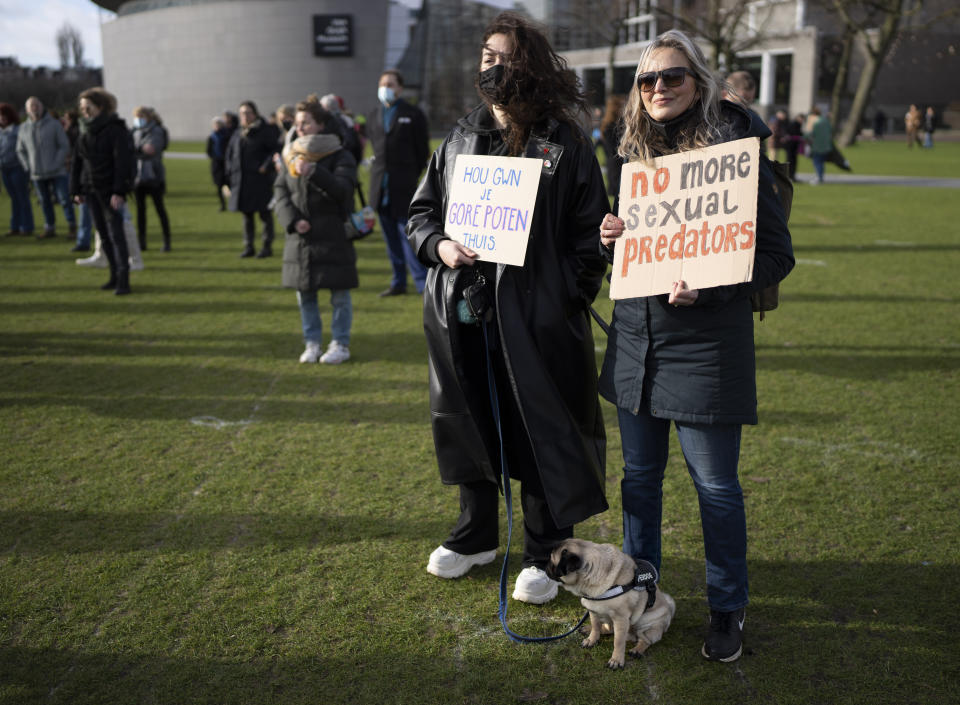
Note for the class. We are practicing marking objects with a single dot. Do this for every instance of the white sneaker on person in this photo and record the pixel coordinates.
(335, 354)
(311, 353)
(534, 586)
(97, 259)
(445, 563)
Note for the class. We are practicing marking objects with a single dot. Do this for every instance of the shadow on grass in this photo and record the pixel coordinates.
(817, 632)
(858, 363)
(57, 532)
(891, 248)
(400, 347)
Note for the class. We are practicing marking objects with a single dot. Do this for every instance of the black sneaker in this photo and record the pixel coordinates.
(724, 641)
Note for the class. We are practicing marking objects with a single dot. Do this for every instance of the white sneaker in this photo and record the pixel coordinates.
(445, 563)
(311, 353)
(95, 260)
(534, 586)
(335, 354)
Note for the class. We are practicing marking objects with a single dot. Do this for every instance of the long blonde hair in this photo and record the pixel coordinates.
(639, 140)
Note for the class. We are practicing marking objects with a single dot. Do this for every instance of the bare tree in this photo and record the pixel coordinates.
(728, 27)
(69, 45)
(63, 46)
(876, 24)
(600, 23)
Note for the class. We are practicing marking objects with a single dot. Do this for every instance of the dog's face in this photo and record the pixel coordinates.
(567, 559)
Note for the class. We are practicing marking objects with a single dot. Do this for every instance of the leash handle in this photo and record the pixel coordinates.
(508, 500)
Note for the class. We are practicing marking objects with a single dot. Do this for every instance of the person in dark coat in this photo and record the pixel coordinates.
(150, 140)
(313, 194)
(250, 173)
(401, 147)
(539, 342)
(687, 357)
(217, 142)
(101, 175)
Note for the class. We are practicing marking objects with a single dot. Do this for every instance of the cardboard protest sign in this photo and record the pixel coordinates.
(490, 207)
(689, 216)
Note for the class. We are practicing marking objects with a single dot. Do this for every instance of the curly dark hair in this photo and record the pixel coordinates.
(537, 79)
(9, 113)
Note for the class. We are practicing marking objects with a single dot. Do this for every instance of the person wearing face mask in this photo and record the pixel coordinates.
(687, 358)
(313, 194)
(401, 146)
(541, 347)
(150, 139)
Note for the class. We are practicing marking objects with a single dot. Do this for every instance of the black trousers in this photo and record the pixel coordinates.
(109, 223)
(477, 528)
(249, 226)
(156, 193)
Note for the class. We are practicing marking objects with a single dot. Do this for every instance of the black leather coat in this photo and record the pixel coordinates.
(696, 363)
(541, 321)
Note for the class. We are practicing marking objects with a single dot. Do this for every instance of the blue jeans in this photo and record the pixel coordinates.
(712, 452)
(17, 182)
(340, 322)
(85, 231)
(819, 160)
(57, 188)
(401, 254)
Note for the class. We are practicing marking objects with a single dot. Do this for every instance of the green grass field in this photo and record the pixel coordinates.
(188, 515)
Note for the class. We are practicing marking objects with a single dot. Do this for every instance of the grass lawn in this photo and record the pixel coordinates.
(188, 515)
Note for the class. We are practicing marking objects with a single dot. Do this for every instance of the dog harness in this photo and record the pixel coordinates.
(644, 578)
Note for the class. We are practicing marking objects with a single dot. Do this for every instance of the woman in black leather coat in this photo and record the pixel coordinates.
(540, 340)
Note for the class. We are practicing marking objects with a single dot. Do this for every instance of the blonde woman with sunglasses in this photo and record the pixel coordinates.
(687, 357)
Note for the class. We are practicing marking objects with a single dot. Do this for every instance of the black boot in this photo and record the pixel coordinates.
(248, 251)
(123, 283)
(267, 251)
(166, 243)
(112, 284)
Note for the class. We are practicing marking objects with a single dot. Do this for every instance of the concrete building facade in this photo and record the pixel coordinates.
(193, 59)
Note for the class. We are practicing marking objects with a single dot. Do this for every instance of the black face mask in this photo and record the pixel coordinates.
(491, 85)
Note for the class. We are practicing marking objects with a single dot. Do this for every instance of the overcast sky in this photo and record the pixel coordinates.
(28, 29)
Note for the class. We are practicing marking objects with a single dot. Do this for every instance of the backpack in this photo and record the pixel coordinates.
(769, 298)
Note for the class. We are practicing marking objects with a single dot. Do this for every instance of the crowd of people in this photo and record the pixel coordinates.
(514, 386)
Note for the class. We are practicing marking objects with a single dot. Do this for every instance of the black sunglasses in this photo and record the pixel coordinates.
(672, 78)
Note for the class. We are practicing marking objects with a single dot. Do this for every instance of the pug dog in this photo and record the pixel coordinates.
(620, 596)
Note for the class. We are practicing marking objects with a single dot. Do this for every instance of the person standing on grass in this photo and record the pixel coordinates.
(216, 150)
(313, 194)
(912, 122)
(101, 177)
(401, 147)
(71, 125)
(15, 178)
(929, 123)
(687, 357)
(43, 147)
(819, 135)
(250, 173)
(150, 139)
(540, 346)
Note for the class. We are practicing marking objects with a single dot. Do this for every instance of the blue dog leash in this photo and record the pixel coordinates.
(508, 500)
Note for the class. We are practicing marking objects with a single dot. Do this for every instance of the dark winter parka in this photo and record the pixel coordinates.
(542, 323)
(103, 162)
(323, 257)
(696, 363)
(248, 152)
(150, 171)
